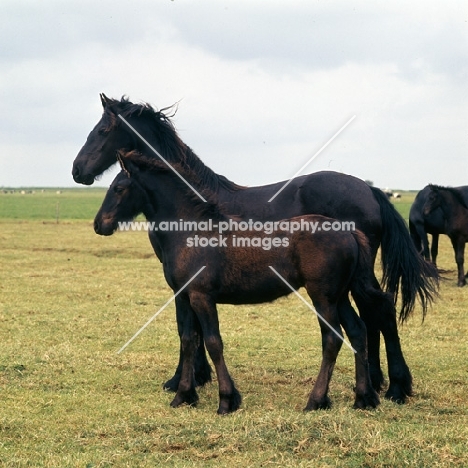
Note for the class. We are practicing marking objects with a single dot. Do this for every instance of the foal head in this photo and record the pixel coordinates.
(125, 199)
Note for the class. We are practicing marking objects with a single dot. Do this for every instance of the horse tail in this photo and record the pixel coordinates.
(415, 237)
(403, 267)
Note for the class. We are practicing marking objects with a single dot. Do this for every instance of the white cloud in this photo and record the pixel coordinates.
(263, 85)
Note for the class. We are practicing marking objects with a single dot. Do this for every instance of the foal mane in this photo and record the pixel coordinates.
(210, 208)
(172, 147)
(452, 190)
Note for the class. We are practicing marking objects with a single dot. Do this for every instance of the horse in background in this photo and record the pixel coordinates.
(454, 207)
(433, 223)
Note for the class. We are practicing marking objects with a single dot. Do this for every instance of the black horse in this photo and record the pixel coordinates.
(452, 203)
(327, 193)
(260, 269)
(433, 223)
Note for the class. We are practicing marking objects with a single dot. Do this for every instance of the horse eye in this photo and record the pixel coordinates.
(118, 189)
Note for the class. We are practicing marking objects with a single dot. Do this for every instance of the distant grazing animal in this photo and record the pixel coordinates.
(421, 224)
(327, 193)
(328, 264)
(454, 207)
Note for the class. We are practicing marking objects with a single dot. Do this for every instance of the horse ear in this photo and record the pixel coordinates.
(104, 100)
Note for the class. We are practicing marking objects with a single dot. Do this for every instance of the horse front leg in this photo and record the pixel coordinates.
(229, 397)
(189, 334)
(459, 249)
(435, 248)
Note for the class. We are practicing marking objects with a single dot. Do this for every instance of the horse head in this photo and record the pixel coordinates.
(433, 200)
(106, 138)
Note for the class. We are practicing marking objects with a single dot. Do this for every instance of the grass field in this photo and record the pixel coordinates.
(70, 299)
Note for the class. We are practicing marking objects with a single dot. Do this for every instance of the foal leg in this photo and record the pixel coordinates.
(201, 366)
(189, 331)
(373, 342)
(354, 327)
(331, 344)
(229, 397)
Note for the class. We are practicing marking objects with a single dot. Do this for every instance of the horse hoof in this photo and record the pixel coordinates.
(377, 379)
(396, 394)
(172, 384)
(202, 380)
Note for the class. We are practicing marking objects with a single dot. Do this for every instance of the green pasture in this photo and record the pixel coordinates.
(70, 299)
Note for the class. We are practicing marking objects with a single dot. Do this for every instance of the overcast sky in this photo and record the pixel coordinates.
(262, 85)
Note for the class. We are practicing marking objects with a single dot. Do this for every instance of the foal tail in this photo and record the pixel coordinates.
(364, 285)
(403, 267)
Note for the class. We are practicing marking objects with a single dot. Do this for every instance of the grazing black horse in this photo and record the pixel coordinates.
(328, 263)
(327, 193)
(452, 203)
(421, 224)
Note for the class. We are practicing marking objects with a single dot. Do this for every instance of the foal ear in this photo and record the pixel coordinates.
(123, 165)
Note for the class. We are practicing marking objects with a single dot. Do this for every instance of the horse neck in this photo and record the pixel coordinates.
(452, 207)
(168, 144)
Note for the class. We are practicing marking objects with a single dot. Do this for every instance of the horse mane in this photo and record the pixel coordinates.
(210, 208)
(455, 192)
(172, 147)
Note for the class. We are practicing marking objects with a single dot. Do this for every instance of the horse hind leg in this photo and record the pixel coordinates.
(355, 329)
(381, 305)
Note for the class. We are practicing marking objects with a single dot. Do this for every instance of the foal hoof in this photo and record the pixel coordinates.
(189, 398)
(367, 400)
(229, 403)
(322, 403)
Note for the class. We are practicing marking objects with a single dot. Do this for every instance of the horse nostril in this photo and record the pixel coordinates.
(96, 226)
(75, 172)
